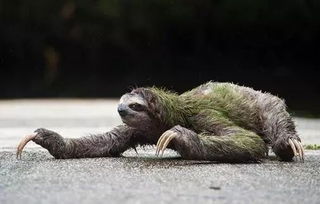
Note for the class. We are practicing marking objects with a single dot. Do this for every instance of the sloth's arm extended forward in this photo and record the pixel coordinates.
(111, 143)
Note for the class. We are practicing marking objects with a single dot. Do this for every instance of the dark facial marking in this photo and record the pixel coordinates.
(137, 107)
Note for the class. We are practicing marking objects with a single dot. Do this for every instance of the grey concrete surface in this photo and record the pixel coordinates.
(142, 178)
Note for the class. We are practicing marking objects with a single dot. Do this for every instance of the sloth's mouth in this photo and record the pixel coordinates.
(127, 118)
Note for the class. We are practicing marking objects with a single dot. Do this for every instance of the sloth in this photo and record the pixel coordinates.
(221, 122)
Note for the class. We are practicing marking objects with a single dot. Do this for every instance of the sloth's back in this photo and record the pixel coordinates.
(246, 107)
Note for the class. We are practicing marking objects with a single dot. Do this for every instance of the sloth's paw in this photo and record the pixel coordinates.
(183, 140)
(289, 148)
(297, 148)
(48, 139)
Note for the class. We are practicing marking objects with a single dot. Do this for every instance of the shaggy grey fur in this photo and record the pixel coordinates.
(234, 129)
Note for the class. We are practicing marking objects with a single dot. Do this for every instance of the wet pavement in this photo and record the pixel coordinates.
(137, 178)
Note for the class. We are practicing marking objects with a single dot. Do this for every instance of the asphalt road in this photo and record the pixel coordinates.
(142, 178)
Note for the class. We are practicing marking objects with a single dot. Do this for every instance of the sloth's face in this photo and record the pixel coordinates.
(132, 109)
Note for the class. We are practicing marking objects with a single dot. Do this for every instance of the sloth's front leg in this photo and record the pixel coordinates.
(108, 144)
(186, 142)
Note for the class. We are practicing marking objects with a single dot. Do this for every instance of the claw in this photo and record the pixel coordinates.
(159, 143)
(162, 142)
(299, 148)
(23, 143)
(169, 138)
(293, 147)
(302, 149)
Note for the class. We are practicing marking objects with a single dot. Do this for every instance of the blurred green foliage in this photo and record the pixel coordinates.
(312, 147)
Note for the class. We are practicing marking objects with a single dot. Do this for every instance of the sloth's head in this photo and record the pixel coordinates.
(136, 109)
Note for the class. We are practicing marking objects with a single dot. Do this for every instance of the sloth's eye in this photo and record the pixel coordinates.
(136, 107)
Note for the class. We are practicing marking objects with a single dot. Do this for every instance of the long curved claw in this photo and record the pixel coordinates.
(293, 147)
(297, 148)
(23, 143)
(158, 143)
(163, 142)
(169, 138)
(302, 148)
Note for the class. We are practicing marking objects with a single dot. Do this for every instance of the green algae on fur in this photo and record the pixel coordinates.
(225, 102)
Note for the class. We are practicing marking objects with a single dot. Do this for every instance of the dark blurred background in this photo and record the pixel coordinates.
(101, 48)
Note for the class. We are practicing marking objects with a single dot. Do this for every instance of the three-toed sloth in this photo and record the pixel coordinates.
(215, 121)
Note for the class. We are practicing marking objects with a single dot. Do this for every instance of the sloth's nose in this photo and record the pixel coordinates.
(122, 110)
